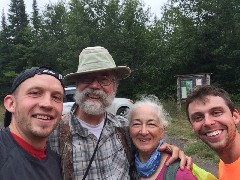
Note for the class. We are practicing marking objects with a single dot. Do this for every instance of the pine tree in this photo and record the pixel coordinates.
(4, 42)
(5, 50)
(20, 37)
(36, 19)
(18, 21)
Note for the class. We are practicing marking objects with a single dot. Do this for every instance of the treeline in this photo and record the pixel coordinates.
(192, 36)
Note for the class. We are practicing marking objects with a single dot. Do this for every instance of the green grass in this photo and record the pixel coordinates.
(181, 128)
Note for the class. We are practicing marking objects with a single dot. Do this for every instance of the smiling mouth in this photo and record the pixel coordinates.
(214, 133)
(43, 117)
(93, 96)
(144, 140)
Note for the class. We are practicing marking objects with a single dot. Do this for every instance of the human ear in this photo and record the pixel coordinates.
(9, 103)
(236, 116)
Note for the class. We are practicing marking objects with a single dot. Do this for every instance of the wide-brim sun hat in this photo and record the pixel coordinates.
(96, 59)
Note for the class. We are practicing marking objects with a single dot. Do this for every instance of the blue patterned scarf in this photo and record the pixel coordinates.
(148, 168)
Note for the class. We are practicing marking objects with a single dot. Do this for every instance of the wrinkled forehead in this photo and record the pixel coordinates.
(144, 109)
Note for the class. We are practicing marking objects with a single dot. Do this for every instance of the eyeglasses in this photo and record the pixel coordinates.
(102, 80)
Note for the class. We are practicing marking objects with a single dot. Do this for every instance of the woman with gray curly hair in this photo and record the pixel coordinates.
(148, 121)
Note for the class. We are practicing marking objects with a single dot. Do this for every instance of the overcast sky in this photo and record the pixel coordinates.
(155, 5)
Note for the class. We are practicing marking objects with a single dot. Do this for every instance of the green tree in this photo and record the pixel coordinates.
(217, 36)
(4, 45)
(199, 37)
(132, 49)
(18, 21)
(5, 50)
(19, 36)
(81, 30)
(53, 43)
(36, 18)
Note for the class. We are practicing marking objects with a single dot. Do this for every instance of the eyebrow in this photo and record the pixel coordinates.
(195, 113)
(152, 120)
(217, 107)
(211, 109)
(149, 120)
(136, 120)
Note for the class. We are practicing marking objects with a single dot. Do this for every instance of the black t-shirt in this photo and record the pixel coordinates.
(16, 163)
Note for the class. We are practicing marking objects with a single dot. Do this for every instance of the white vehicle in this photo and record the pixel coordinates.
(120, 106)
(68, 100)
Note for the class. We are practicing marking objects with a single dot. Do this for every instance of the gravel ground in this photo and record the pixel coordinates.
(208, 165)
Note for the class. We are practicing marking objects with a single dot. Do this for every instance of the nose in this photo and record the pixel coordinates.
(95, 84)
(209, 120)
(46, 101)
(144, 130)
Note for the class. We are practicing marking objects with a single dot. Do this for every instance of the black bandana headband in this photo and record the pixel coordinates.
(26, 74)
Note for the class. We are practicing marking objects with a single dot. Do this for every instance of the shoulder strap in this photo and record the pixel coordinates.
(129, 151)
(121, 135)
(94, 153)
(65, 143)
(171, 171)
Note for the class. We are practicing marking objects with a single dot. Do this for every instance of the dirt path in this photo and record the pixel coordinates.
(208, 165)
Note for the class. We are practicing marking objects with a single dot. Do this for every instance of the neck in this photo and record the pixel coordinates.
(89, 118)
(147, 169)
(37, 142)
(143, 156)
(164, 158)
(231, 153)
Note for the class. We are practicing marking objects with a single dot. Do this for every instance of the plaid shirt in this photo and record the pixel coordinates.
(110, 161)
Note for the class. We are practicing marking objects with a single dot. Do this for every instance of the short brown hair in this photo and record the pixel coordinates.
(200, 93)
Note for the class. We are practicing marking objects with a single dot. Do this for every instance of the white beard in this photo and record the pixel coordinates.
(91, 106)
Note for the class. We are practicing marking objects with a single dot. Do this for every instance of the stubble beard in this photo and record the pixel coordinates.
(94, 107)
(217, 146)
(34, 131)
(225, 144)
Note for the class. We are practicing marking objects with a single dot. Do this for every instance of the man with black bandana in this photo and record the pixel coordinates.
(33, 110)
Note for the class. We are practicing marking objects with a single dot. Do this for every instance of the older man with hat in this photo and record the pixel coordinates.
(94, 144)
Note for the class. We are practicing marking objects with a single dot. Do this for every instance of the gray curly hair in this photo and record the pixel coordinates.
(152, 100)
